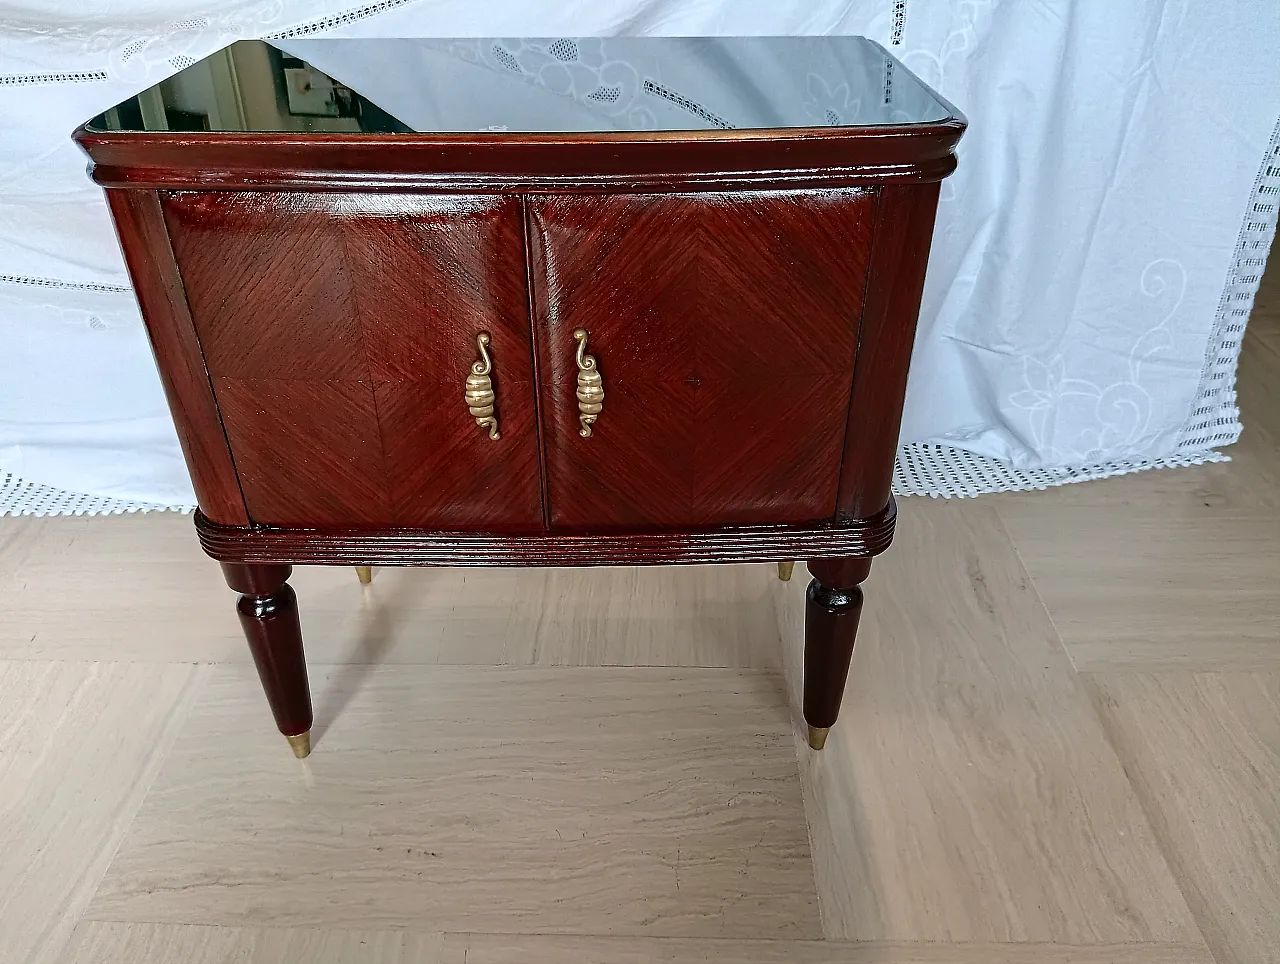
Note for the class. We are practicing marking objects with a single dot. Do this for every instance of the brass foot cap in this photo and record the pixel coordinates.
(301, 744)
(818, 736)
(785, 569)
(364, 574)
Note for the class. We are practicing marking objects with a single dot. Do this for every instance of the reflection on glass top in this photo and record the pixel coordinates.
(558, 85)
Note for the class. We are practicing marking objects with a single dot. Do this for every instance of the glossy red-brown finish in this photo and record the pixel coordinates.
(607, 161)
(256, 579)
(268, 613)
(140, 225)
(340, 329)
(308, 451)
(427, 287)
(409, 547)
(900, 253)
(841, 571)
(833, 606)
(724, 327)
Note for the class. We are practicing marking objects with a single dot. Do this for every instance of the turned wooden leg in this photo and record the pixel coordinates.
(785, 569)
(268, 613)
(832, 607)
(364, 574)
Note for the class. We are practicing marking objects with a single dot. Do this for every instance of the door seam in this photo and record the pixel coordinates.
(543, 481)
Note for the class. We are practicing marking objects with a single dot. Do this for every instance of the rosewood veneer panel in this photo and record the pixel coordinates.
(308, 452)
(725, 327)
(340, 330)
(266, 279)
(456, 477)
(428, 275)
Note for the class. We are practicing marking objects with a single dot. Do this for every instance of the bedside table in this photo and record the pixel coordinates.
(544, 303)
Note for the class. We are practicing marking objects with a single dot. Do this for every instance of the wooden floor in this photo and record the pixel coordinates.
(1060, 743)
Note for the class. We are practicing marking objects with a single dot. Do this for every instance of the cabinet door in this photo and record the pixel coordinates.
(339, 330)
(724, 328)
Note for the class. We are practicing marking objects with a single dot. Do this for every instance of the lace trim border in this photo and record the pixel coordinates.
(337, 19)
(17, 279)
(1214, 418)
(70, 77)
(19, 497)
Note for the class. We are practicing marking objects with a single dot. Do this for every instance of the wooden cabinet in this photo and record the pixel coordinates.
(694, 339)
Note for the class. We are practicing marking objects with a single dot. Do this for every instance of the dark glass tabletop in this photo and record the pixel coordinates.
(544, 86)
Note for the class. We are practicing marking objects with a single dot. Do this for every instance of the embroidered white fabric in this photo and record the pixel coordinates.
(18, 497)
(1093, 267)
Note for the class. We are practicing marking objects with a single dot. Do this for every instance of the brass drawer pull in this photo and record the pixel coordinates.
(590, 387)
(480, 397)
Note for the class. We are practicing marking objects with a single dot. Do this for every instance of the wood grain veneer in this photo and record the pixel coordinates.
(725, 327)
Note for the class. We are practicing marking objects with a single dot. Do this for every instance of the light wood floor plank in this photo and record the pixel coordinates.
(636, 801)
(1173, 569)
(70, 588)
(102, 942)
(524, 949)
(1135, 588)
(968, 792)
(1203, 751)
(79, 746)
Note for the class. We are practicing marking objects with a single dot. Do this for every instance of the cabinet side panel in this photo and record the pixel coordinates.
(900, 253)
(269, 289)
(145, 242)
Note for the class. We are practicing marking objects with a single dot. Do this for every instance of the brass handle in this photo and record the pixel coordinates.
(590, 387)
(480, 397)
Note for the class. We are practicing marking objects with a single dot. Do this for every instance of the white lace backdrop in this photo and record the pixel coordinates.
(1094, 263)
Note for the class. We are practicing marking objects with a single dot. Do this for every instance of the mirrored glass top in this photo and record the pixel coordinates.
(548, 86)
